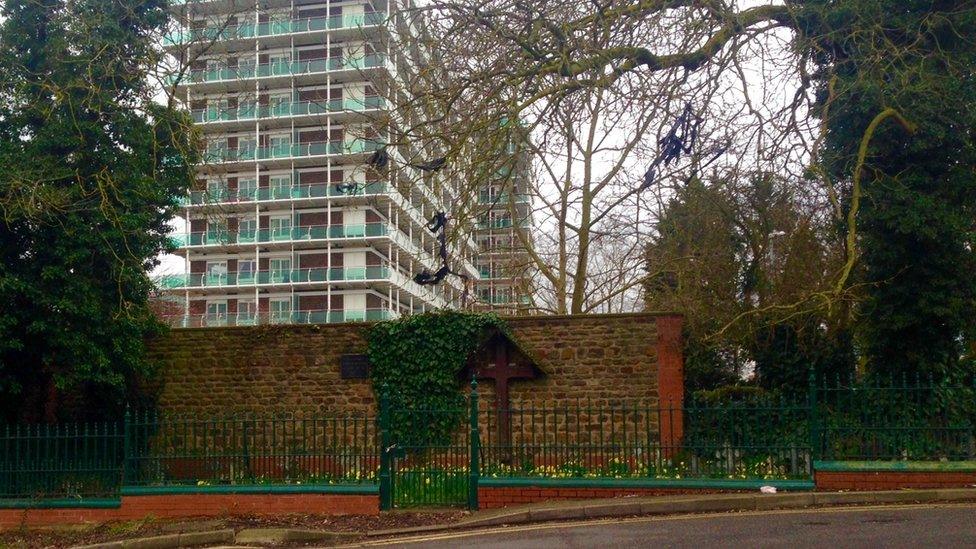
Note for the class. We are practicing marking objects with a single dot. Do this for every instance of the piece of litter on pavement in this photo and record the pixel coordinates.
(768, 489)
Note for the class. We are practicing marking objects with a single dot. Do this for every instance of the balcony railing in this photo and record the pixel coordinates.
(285, 68)
(297, 191)
(277, 317)
(502, 199)
(274, 28)
(219, 237)
(216, 155)
(500, 224)
(274, 276)
(296, 108)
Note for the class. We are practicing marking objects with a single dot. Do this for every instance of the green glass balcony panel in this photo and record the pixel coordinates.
(247, 195)
(216, 280)
(172, 281)
(373, 103)
(281, 234)
(281, 109)
(244, 319)
(279, 193)
(376, 229)
(317, 274)
(247, 237)
(355, 273)
(353, 231)
(282, 317)
(218, 237)
(377, 273)
(246, 278)
(279, 277)
(354, 316)
(215, 320)
(377, 314)
(273, 28)
(245, 113)
(313, 317)
(375, 187)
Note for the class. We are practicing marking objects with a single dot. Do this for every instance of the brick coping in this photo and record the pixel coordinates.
(360, 489)
(705, 484)
(896, 466)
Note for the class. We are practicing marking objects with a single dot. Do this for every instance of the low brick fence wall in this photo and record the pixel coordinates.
(186, 505)
(504, 492)
(853, 475)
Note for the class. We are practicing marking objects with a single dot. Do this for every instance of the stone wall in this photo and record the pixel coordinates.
(603, 358)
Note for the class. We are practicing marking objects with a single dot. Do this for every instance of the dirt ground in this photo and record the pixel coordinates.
(68, 536)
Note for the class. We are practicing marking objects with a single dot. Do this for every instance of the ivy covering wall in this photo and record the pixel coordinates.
(417, 363)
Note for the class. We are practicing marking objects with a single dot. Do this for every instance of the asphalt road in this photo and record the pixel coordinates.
(918, 527)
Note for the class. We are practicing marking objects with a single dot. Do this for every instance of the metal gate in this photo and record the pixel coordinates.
(437, 465)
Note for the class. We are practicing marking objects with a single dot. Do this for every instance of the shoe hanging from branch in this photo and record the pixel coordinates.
(680, 139)
(438, 226)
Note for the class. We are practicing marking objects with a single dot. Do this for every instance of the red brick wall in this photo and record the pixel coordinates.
(892, 480)
(198, 505)
(493, 498)
(671, 378)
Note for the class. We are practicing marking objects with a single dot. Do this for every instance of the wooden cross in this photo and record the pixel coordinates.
(502, 371)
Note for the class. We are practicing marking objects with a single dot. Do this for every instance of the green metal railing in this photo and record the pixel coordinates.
(751, 438)
(64, 461)
(647, 440)
(905, 418)
(250, 450)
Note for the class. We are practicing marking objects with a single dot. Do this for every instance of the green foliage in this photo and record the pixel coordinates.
(740, 258)
(92, 165)
(916, 232)
(417, 360)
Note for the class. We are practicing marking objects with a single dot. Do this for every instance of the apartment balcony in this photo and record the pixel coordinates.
(502, 224)
(274, 277)
(224, 238)
(283, 115)
(278, 317)
(284, 279)
(503, 199)
(505, 300)
(287, 29)
(297, 192)
(303, 71)
(292, 152)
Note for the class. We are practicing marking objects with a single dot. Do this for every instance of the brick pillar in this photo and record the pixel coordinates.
(670, 382)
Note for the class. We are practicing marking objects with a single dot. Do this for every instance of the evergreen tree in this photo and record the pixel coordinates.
(908, 66)
(90, 170)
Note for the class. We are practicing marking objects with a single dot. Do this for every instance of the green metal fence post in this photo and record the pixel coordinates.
(125, 445)
(474, 467)
(386, 480)
(814, 419)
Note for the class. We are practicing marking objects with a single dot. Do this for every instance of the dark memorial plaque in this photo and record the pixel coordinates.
(354, 366)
